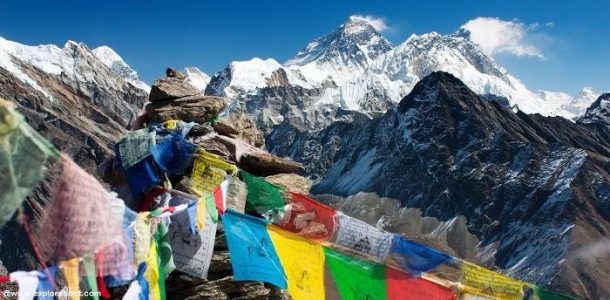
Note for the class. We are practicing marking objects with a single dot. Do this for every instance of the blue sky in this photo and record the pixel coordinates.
(573, 36)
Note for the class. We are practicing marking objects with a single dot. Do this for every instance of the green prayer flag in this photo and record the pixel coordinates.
(542, 294)
(164, 249)
(355, 278)
(210, 205)
(157, 240)
(263, 196)
(90, 270)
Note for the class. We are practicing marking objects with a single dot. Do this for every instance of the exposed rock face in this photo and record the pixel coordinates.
(262, 164)
(291, 182)
(171, 88)
(534, 190)
(198, 109)
(240, 125)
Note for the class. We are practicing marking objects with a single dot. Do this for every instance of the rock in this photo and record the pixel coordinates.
(110, 171)
(212, 144)
(173, 73)
(240, 125)
(292, 182)
(180, 286)
(198, 109)
(171, 88)
(261, 163)
(200, 130)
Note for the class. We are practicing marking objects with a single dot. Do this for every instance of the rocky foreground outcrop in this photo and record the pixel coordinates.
(234, 137)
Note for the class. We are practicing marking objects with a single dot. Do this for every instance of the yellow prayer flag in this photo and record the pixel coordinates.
(201, 213)
(152, 273)
(142, 238)
(70, 269)
(303, 263)
(483, 282)
(170, 124)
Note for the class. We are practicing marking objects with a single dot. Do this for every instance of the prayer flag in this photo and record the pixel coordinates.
(174, 154)
(46, 281)
(142, 238)
(303, 263)
(542, 294)
(253, 256)
(415, 258)
(403, 286)
(27, 282)
(263, 196)
(355, 278)
(90, 271)
(70, 269)
(483, 282)
(309, 218)
(362, 238)
(134, 146)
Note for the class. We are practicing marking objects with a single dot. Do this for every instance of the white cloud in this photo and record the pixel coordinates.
(497, 36)
(377, 23)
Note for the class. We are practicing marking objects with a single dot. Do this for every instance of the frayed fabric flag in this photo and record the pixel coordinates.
(309, 218)
(174, 154)
(23, 154)
(138, 289)
(192, 253)
(362, 238)
(483, 282)
(89, 265)
(70, 270)
(253, 256)
(79, 212)
(134, 146)
(263, 196)
(142, 238)
(303, 263)
(209, 170)
(165, 249)
(220, 194)
(542, 294)
(46, 281)
(142, 177)
(415, 258)
(355, 278)
(152, 273)
(27, 282)
(403, 286)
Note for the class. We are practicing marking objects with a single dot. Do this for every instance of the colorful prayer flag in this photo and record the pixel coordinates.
(70, 269)
(46, 281)
(174, 154)
(134, 146)
(480, 281)
(89, 265)
(253, 256)
(27, 282)
(355, 278)
(363, 238)
(415, 258)
(403, 286)
(303, 263)
(542, 294)
(263, 196)
(309, 218)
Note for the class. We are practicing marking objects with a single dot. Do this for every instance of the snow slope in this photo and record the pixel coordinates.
(116, 63)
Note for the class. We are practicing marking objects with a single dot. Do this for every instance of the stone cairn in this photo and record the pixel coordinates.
(234, 137)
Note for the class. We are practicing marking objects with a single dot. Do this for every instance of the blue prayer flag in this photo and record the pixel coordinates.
(174, 154)
(253, 256)
(46, 278)
(415, 258)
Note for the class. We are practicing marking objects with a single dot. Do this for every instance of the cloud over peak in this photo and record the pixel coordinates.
(497, 36)
(377, 23)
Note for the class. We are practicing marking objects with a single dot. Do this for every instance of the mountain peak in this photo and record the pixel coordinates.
(115, 62)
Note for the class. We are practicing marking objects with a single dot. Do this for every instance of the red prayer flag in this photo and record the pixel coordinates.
(309, 218)
(402, 286)
(219, 200)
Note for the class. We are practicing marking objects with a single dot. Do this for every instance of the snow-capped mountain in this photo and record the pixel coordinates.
(598, 112)
(116, 63)
(341, 55)
(197, 78)
(562, 104)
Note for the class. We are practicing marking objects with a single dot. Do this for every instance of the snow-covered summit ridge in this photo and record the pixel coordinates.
(116, 63)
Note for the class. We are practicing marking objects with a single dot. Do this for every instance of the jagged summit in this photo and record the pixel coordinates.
(599, 111)
(116, 63)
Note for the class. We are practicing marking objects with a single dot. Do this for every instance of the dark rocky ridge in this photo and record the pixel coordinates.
(534, 190)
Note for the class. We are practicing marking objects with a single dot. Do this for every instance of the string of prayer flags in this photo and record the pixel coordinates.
(483, 282)
(27, 282)
(542, 294)
(415, 258)
(309, 218)
(192, 250)
(403, 286)
(253, 256)
(355, 278)
(134, 146)
(79, 212)
(174, 154)
(46, 281)
(363, 238)
(303, 263)
(263, 196)
(70, 269)
(23, 154)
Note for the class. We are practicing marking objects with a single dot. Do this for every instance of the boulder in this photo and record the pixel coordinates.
(261, 163)
(236, 198)
(173, 73)
(171, 88)
(291, 182)
(240, 125)
(181, 286)
(198, 109)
